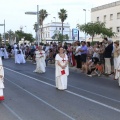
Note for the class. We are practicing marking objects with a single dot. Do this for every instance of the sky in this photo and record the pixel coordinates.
(13, 12)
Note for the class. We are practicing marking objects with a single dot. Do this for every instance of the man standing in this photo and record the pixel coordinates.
(83, 51)
(107, 57)
(1, 80)
(40, 60)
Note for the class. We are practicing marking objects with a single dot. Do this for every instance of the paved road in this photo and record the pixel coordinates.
(32, 96)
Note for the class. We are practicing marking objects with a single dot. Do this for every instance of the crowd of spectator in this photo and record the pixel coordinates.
(92, 59)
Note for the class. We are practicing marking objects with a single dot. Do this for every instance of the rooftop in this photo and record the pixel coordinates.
(113, 4)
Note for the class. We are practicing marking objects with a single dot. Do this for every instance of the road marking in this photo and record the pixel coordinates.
(93, 93)
(81, 96)
(41, 100)
(12, 111)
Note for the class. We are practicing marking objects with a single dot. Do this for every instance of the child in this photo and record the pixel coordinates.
(99, 69)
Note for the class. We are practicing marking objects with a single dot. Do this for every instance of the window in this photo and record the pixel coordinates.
(59, 28)
(111, 16)
(48, 34)
(118, 29)
(97, 18)
(104, 18)
(56, 28)
(63, 28)
(118, 15)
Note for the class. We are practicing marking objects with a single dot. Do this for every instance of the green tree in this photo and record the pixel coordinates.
(66, 37)
(62, 16)
(35, 27)
(19, 35)
(97, 28)
(42, 15)
(10, 35)
(27, 36)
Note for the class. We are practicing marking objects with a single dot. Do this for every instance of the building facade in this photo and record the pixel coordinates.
(54, 28)
(110, 15)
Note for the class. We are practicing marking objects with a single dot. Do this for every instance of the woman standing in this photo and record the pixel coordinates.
(117, 75)
(1, 80)
(115, 56)
(62, 70)
(40, 60)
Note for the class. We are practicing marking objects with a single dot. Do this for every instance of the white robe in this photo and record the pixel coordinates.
(5, 53)
(40, 62)
(117, 75)
(61, 80)
(19, 58)
(1, 52)
(1, 80)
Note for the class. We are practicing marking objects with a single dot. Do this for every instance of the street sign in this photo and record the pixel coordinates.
(31, 13)
(1, 24)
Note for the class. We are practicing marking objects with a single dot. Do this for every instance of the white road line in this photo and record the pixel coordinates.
(12, 111)
(93, 93)
(81, 96)
(42, 100)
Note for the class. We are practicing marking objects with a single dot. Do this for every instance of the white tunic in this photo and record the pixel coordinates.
(61, 79)
(117, 75)
(19, 58)
(4, 52)
(1, 52)
(40, 61)
(1, 79)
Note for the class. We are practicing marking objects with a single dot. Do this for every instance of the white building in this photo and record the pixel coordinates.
(110, 14)
(55, 27)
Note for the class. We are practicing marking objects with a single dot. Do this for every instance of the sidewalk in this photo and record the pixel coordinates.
(74, 69)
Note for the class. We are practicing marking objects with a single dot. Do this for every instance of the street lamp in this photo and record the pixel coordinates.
(36, 13)
(55, 23)
(85, 21)
(26, 28)
(4, 30)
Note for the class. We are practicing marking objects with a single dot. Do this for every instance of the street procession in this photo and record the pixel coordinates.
(60, 68)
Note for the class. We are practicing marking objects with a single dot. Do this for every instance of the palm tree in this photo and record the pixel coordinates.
(42, 15)
(62, 16)
(36, 28)
(6, 36)
(10, 35)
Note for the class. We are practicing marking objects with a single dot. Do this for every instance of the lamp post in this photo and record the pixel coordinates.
(85, 21)
(4, 31)
(26, 28)
(55, 23)
(36, 13)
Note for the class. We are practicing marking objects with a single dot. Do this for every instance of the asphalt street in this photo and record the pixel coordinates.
(33, 96)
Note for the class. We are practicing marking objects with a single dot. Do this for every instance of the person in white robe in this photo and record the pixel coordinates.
(62, 70)
(117, 75)
(40, 60)
(1, 53)
(19, 57)
(5, 53)
(1, 80)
